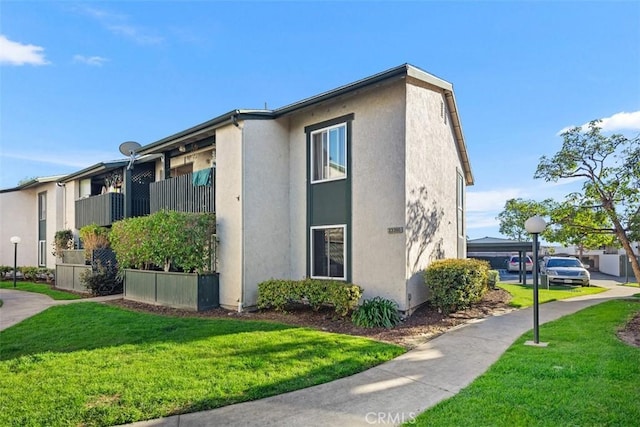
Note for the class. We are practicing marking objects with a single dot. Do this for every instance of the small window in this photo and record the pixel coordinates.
(181, 170)
(329, 154)
(328, 252)
(42, 253)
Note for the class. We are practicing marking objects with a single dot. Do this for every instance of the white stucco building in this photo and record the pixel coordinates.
(364, 183)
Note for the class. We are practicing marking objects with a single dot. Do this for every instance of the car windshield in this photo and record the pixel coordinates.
(567, 262)
(517, 259)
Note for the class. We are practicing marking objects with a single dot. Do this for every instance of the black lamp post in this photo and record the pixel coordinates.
(15, 240)
(535, 225)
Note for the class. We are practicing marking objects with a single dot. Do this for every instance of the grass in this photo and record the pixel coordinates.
(94, 364)
(586, 377)
(634, 285)
(523, 295)
(40, 288)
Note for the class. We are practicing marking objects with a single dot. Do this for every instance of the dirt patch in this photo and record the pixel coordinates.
(631, 332)
(423, 325)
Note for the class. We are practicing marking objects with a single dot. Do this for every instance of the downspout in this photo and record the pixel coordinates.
(234, 120)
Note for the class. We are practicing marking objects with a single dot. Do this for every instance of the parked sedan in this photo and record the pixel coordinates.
(566, 270)
(513, 264)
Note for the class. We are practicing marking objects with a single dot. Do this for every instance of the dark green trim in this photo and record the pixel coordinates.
(324, 189)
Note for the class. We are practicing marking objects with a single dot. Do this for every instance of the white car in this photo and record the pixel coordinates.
(513, 264)
(566, 270)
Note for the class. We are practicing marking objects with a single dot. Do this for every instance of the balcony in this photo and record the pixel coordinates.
(179, 194)
(103, 210)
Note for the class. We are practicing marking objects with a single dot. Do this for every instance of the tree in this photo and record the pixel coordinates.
(610, 168)
(516, 212)
(571, 225)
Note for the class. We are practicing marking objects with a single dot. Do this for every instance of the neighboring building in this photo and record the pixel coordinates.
(364, 183)
(33, 211)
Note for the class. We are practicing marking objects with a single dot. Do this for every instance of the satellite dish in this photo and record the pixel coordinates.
(130, 148)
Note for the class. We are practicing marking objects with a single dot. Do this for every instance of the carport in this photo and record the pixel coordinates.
(491, 244)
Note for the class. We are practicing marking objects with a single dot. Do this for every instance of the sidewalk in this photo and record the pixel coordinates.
(398, 390)
(391, 393)
(19, 305)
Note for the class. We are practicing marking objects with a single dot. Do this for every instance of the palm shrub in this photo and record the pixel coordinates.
(456, 283)
(377, 312)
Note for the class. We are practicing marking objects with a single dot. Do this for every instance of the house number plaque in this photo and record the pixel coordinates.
(395, 230)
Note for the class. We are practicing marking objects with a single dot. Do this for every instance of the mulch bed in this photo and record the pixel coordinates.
(423, 324)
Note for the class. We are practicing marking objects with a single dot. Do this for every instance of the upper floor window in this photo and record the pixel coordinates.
(329, 153)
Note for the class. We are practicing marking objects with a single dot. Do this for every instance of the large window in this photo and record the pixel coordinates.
(328, 252)
(329, 153)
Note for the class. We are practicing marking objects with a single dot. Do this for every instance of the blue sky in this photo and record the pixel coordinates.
(79, 78)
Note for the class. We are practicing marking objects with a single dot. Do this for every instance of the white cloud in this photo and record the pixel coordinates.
(15, 53)
(621, 121)
(62, 158)
(615, 123)
(120, 25)
(90, 60)
(492, 200)
(134, 33)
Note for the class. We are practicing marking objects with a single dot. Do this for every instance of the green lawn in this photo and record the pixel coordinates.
(523, 295)
(94, 364)
(40, 288)
(634, 285)
(586, 377)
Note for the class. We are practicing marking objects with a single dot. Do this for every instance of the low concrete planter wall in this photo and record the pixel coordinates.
(68, 277)
(191, 291)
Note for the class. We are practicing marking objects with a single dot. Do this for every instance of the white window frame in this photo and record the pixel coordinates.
(344, 251)
(42, 253)
(312, 158)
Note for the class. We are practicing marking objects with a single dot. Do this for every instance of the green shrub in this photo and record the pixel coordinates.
(493, 278)
(168, 240)
(278, 293)
(63, 240)
(456, 283)
(102, 280)
(377, 312)
(4, 269)
(29, 273)
(94, 237)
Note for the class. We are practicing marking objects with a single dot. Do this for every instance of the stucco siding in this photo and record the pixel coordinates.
(432, 163)
(377, 172)
(266, 203)
(229, 202)
(18, 217)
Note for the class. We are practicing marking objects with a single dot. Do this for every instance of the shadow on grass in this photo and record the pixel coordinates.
(89, 326)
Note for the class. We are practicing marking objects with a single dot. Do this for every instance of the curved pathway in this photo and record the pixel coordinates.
(388, 394)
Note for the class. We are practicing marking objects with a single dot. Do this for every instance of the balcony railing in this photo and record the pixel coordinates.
(103, 210)
(179, 194)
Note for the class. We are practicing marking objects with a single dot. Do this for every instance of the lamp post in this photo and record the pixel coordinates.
(15, 240)
(535, 225)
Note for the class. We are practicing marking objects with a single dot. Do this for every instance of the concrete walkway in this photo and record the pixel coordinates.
(398, 390)
(19, 305)
(391, 393)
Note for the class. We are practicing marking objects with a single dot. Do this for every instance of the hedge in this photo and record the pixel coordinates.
(456, 283)
(168, 240)
(277, 294)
